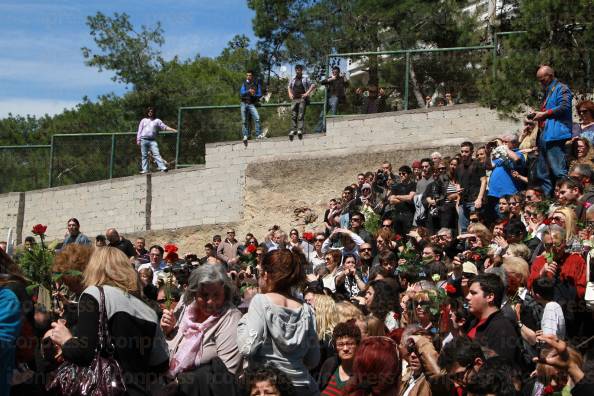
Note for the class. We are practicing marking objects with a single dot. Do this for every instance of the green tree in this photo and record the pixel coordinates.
(559, 34)
(131, 55)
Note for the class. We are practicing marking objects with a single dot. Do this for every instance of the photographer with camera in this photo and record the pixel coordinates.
(505, 159)
(555, 124)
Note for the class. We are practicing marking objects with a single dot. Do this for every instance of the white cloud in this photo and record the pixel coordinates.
(37, 107)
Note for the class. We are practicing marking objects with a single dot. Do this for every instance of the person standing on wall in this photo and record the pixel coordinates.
(148, 129)
(555, 124)
(250, 93)
(300, 88)
(336, 85)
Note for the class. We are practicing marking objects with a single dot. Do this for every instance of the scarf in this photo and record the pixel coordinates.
(189, 351)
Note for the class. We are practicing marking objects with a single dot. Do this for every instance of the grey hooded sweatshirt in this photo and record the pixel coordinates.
(282, 337)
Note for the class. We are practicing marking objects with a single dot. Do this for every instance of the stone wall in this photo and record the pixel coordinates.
(119, 203)
(215, 193)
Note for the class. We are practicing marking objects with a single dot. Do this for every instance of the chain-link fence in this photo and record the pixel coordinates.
(209, 124)
(24, 167)
(408, 79)
(378, 82)
(80, 158)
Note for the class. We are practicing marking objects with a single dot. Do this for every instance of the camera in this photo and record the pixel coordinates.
(531, 116)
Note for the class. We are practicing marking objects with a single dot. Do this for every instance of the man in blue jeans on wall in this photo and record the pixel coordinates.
(555, 123)
(336, 85)
(250, 93)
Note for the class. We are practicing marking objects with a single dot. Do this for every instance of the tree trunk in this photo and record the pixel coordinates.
(415, 87)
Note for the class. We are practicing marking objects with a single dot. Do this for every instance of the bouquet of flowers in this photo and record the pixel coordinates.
(500, 152)
(36, 263)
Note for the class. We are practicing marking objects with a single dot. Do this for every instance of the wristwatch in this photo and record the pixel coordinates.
(520, 325)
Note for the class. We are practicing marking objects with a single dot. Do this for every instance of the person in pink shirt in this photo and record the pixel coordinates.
(148, 129)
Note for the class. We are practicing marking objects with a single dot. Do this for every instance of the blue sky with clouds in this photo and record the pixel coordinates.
(41, 65)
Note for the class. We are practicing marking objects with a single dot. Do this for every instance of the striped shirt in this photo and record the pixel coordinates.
(335, 386)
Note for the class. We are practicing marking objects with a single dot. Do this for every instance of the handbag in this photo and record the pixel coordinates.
(103, 377)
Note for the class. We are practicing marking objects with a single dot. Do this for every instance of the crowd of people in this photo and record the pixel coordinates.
(467, 274)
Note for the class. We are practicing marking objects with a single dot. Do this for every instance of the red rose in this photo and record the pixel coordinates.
(546, 221)
(396, 316)
(450, 289)
(170, 248)
(308, 236)
(397, 237)
(587, 205)
(548, 390)
(39, 229)
(34, 299)
(251, 248)
(476, 257)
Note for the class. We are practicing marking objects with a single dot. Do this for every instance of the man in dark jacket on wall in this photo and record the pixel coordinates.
(250, 93)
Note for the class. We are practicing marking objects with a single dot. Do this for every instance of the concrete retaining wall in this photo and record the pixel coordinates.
(214, 193)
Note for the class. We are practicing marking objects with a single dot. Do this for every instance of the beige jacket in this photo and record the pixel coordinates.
(219, 340)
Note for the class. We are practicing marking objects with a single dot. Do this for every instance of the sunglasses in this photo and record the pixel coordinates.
(320, 239)
(386, 225)
(558, 219)
(552, 245)
(366, 249)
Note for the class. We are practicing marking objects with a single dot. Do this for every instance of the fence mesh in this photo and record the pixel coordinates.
(209, 125)
(377, 83)
(80, 159)
(24, 168)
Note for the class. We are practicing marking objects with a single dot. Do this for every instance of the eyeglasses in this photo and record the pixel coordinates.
(320, 239)
(529, 214)
(386, 225)
(365, 249)
(402, 173)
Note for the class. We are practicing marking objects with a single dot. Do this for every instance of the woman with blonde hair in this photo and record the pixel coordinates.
(566, 218)
(139, 344)
(326, 320)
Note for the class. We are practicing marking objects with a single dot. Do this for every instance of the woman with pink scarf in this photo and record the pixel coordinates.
(201, 332)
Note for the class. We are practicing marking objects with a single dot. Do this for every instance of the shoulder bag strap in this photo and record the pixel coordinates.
(103, 332)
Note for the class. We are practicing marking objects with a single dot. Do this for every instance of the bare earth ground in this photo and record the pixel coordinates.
(275, 190)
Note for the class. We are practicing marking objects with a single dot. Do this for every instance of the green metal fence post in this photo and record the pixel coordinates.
(112, 156)
(178, 137)
(495, 56)
(406, 79)
(51, 162)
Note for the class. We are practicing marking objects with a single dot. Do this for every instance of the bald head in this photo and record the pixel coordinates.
(112, 235)
(545, 75)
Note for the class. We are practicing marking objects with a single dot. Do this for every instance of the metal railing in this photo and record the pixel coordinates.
(78, 158)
